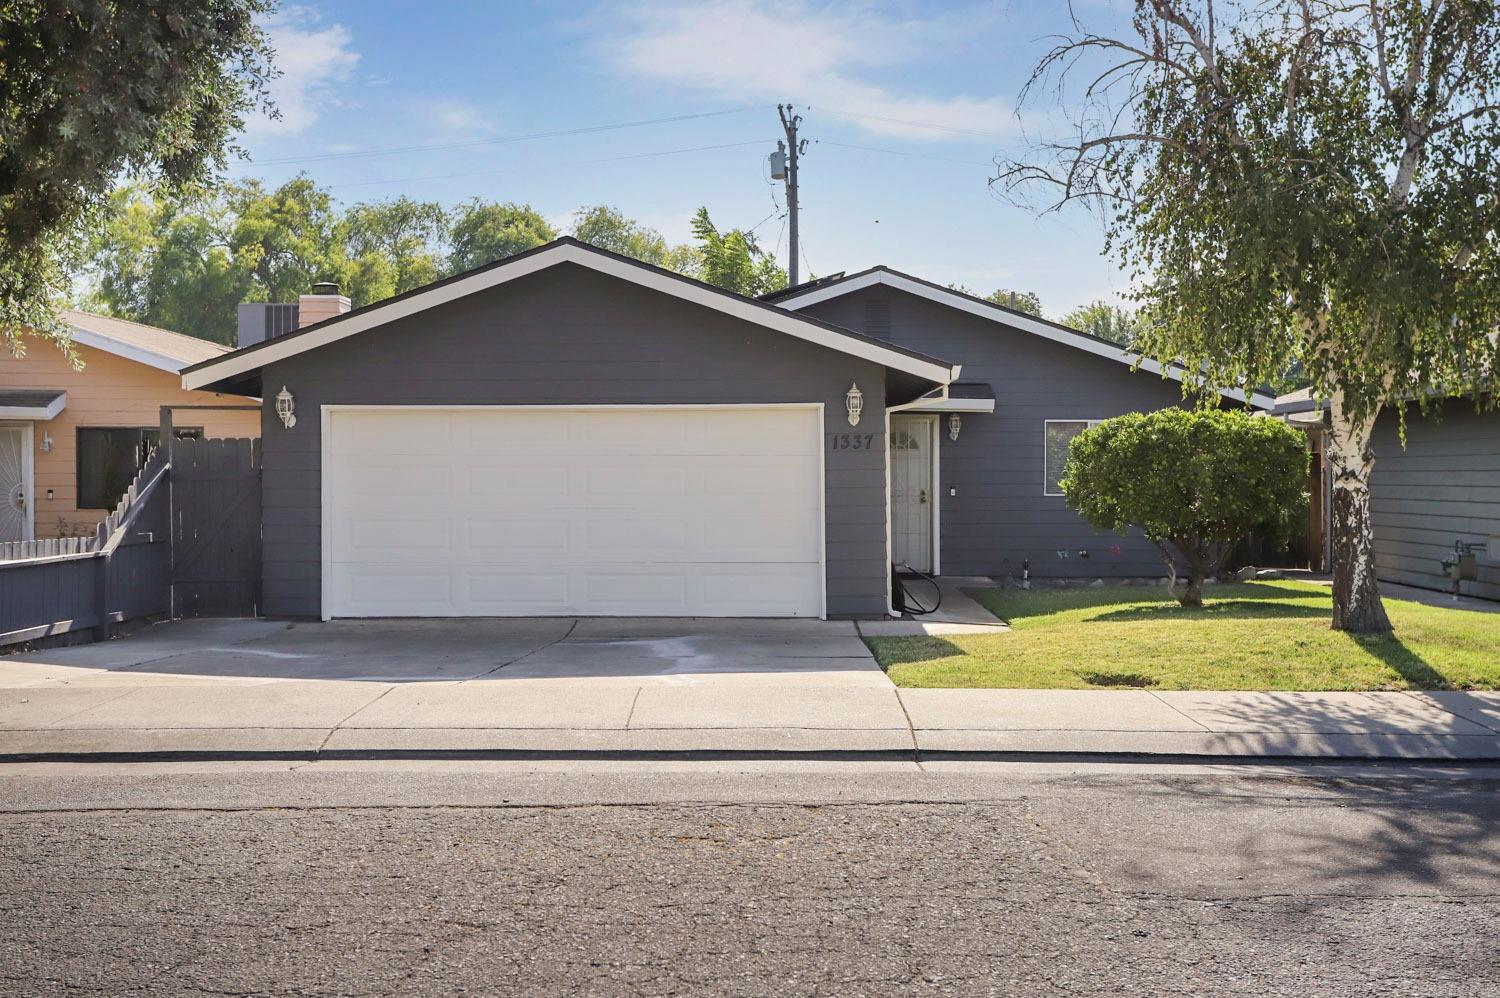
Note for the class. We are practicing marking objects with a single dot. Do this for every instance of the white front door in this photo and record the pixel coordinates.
(613, 511)
(16, 492)
(912, 499)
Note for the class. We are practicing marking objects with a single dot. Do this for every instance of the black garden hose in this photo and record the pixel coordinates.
(908, 603)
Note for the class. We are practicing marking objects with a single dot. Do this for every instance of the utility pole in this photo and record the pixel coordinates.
(791, 150)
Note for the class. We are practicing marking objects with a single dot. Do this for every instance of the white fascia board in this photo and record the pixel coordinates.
(150, 358)
(957, 405)
(793, 325)
(37, 412)
(1022, 322)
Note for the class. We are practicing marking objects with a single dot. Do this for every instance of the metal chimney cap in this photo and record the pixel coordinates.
(326, 288)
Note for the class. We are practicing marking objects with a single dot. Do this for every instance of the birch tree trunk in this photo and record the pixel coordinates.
(1356, 594)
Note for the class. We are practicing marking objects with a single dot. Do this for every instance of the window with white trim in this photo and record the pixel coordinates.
(1056, 436)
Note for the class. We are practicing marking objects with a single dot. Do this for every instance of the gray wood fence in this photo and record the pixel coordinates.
(184, 540)
(216, 528)
(57, 586)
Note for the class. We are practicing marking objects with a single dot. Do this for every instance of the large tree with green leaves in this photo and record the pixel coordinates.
(93, 89)
(608, 228)
(1296, 182)
(1106, 321)
(733, 260)
(185, 263)
(482, 232)
(402, 241)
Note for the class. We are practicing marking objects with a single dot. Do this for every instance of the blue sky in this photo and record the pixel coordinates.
(905, 106)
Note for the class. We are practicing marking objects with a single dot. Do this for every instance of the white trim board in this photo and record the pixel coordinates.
(957, 405)
(333, 330)
(1017, 320)
(48, 411)
(160, 361)
(327, 497)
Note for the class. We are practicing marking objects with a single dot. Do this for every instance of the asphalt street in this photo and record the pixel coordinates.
(791, 879)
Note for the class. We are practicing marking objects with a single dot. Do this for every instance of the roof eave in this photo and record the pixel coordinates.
(998, 313)
(219, 369)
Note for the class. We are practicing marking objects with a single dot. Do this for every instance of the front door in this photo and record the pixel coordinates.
(912, 499)
(15, 482)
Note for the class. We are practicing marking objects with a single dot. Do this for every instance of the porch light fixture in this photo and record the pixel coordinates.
(286, 408)
(954, 426)
(854, 401)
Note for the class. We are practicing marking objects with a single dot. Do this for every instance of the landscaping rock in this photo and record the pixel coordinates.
(1268, 573)
(1246, 574)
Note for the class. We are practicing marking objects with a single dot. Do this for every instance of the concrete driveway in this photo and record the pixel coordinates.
(670, 651)
(547, 684)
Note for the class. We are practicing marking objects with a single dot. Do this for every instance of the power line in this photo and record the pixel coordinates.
(908, 121)
(500, 140)
(550, 166)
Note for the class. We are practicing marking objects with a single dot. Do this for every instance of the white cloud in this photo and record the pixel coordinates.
(825, 56)
(312, 59)
(458, 116)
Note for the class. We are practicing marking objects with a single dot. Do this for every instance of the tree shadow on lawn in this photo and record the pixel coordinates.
(1212, 610)
(1398, 655)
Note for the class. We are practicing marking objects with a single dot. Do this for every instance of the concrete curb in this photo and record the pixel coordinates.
(313, 745)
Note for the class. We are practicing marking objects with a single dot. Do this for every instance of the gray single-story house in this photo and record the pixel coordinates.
(1441, 490)
(572, 432)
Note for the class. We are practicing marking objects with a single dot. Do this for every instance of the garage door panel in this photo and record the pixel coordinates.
(517, 478)
(399, 592)
(629, 511)
(505, 594)
(524, 432)
(623, 477)
(387, 432)
(486, 538)
(375, 538)
(777, 591)
(635, 538)
(775, 541)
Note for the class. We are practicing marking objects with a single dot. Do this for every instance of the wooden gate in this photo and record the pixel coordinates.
(215, 527)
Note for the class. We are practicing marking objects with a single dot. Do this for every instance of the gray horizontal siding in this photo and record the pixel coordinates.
(1000, 518)
(570, 336)
(1443, 486)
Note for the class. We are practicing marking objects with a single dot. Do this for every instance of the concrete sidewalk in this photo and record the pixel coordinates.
(253, 689)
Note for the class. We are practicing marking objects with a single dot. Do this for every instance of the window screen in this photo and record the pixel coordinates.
(110, 456)
(1060, 433)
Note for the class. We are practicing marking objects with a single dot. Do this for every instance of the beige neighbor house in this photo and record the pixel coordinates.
(71, 440)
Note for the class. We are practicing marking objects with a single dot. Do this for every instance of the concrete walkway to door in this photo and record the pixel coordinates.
(601, 688)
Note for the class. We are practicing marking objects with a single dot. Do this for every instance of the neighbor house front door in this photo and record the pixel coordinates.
(15, 482)
(912, 500)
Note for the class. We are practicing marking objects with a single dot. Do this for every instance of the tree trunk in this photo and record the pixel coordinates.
(1356, 595)
(1193, 594)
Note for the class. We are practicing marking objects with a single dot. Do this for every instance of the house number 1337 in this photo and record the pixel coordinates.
(851, 441)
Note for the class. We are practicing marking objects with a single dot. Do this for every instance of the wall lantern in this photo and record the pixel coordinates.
(854, 401)
(286, 408)
(954, 426)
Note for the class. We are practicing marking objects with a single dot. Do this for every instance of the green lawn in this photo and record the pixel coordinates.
(1251, 636)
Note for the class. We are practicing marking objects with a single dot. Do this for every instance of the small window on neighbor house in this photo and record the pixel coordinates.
(1058, 434)
(110, 456)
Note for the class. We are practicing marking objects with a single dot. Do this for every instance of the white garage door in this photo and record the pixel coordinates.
(506, 512)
